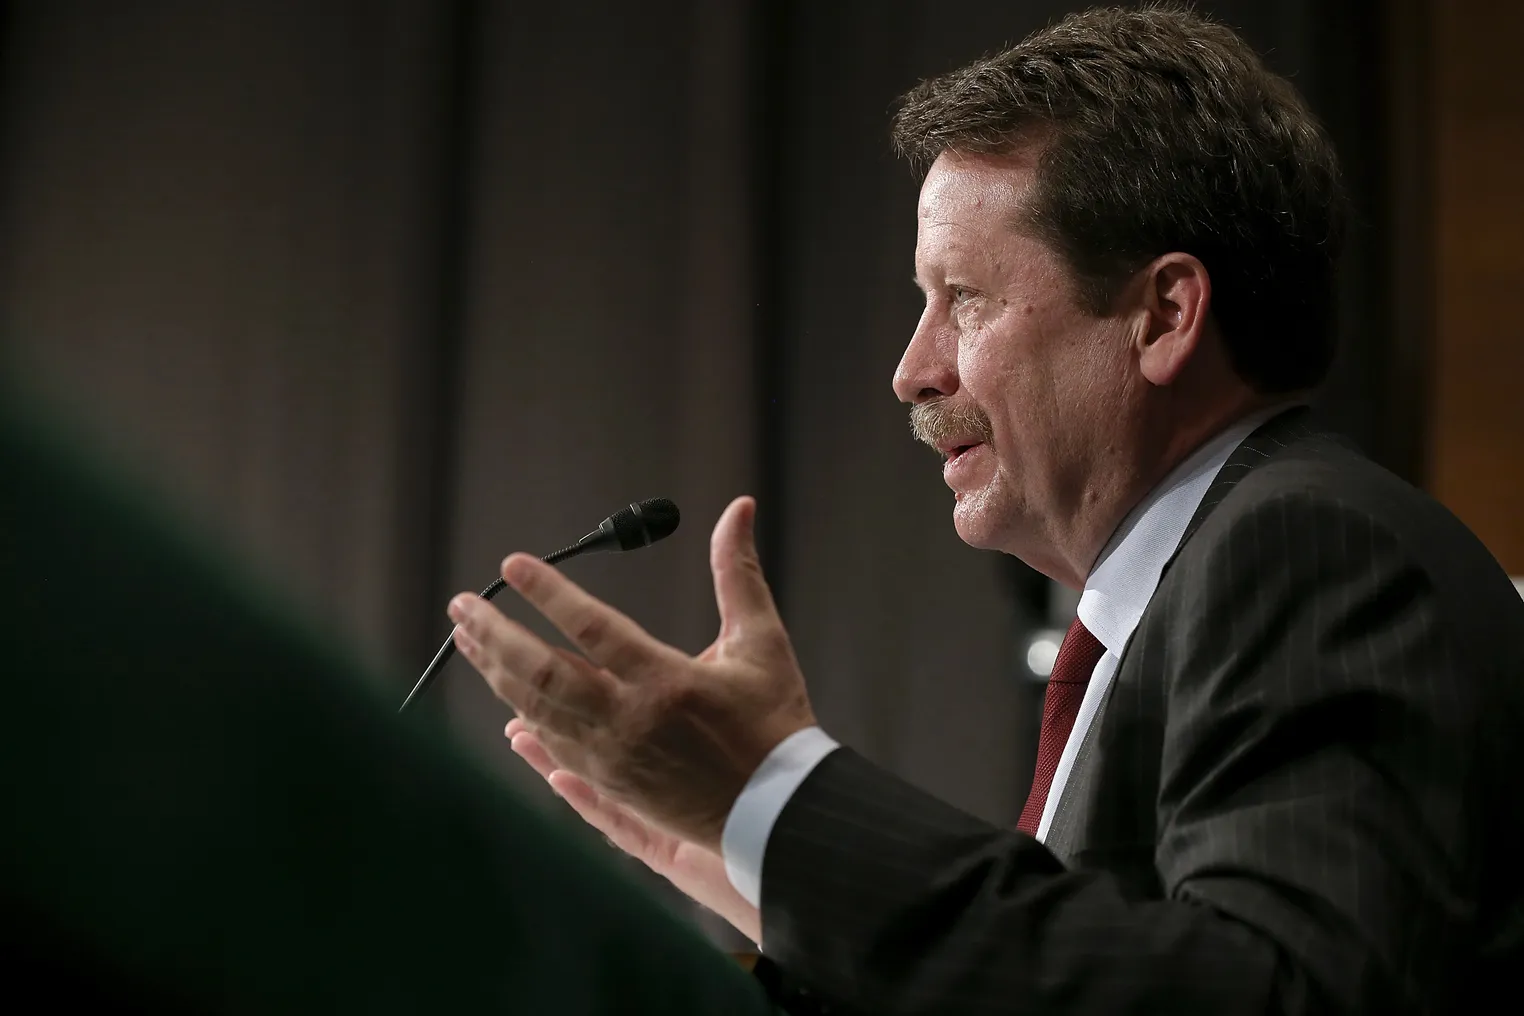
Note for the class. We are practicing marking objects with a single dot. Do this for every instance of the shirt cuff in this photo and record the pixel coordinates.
(744, 840)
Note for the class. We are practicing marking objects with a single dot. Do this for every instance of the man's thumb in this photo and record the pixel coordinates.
(740, 590)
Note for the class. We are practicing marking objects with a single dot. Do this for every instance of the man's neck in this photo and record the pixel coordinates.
(1162, 445)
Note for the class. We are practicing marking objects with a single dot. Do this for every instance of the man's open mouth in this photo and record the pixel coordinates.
(953, 454)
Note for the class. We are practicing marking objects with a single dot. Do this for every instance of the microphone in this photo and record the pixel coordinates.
(630, 528)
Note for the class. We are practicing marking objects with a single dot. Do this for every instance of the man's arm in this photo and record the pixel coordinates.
(1312, 838)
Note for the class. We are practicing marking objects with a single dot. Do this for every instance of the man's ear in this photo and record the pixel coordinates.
(1177, 299)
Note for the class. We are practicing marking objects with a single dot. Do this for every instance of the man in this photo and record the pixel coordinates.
(1275, 767)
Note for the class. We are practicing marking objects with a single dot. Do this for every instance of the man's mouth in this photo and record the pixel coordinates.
(958, 451)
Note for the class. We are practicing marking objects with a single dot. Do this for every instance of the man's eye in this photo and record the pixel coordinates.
(958, 294)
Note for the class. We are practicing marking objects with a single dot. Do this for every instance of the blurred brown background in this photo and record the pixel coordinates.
(384, 290)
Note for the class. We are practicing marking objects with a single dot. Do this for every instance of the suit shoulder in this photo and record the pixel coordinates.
(1322, 475)
(1317, 496)
(1322, 469)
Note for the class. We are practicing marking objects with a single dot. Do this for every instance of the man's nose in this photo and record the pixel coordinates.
(928, 368)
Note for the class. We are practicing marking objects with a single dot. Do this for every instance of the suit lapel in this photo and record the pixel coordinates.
(1256, 449)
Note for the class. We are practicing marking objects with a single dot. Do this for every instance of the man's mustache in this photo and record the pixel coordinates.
(940, 420)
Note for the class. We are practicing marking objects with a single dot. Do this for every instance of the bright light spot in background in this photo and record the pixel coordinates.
(1041, 652)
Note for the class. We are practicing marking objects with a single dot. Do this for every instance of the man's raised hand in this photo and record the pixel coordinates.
(672, 737)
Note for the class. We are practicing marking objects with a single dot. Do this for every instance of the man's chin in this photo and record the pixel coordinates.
(974, 520)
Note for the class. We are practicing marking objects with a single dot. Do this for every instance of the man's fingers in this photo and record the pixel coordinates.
(608, 817)
(543, 684)
(528, 747)
(611, 819)
(740, 589)
(607, 637)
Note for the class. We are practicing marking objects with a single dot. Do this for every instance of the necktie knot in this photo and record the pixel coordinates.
(1077, 656)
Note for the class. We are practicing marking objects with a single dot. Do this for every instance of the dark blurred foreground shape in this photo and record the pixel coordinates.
(207, 810)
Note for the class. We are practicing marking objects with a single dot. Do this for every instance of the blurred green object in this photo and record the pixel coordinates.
(206, 809)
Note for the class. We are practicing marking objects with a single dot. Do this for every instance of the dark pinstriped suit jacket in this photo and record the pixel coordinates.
(1301, 793)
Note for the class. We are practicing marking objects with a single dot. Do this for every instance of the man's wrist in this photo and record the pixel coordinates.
(743, 842)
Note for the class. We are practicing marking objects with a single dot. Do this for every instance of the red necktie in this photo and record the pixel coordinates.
(1076, 659)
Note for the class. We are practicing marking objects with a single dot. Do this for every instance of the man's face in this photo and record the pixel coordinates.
(1021, 390)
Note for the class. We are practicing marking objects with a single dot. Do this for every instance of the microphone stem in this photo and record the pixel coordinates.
(556, 557)
(448, 649)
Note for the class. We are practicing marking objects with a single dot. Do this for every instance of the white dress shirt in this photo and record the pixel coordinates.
(1115, 596)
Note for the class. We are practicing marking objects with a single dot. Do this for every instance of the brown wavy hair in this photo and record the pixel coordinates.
(1161, 130)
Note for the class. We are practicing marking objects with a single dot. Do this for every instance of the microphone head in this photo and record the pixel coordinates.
(640, 525)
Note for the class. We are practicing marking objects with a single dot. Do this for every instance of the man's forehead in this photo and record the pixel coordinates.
(962, 185)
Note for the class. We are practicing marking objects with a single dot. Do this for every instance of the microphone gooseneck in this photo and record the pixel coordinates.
(630, 528)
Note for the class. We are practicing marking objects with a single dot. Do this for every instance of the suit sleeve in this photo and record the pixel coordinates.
(1311, 840)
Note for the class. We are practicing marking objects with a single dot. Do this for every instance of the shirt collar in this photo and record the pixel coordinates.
(1128, 569)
